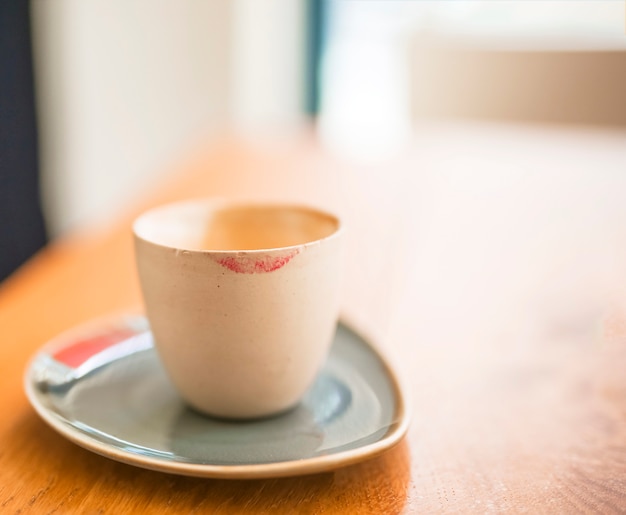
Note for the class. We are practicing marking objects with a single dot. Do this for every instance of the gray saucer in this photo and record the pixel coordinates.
(103, 387)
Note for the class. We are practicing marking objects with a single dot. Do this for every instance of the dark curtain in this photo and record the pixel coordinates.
(22, 229)
(316, 35)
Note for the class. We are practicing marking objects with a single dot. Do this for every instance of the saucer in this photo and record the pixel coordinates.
(102, 387)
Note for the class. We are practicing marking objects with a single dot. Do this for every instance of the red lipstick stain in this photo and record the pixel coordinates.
(255, 265)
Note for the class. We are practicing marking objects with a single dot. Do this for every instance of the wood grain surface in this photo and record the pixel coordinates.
(490, 263)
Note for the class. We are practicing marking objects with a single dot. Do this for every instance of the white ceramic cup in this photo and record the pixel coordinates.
(242, 299)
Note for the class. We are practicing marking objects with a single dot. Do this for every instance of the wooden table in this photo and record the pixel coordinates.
(489, 261)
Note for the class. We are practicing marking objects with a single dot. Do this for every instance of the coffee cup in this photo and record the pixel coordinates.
(242, 300)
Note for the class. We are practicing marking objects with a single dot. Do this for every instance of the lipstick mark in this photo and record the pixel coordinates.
(252, 265)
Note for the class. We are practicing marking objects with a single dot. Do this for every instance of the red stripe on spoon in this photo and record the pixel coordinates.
(75, 354)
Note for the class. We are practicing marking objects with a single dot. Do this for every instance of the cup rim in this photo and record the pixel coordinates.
(237, 204)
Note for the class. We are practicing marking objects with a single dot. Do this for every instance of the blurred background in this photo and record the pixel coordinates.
(98, 97)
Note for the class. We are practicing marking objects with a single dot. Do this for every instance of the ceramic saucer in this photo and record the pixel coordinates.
(103, 387)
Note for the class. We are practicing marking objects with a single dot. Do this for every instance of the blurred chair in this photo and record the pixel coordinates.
(22, 229)
(465, 79)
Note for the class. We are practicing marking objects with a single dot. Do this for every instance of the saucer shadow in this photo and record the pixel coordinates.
(55, 474)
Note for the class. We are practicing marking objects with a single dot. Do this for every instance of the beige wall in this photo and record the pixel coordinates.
(125, 86)
(549, 85)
